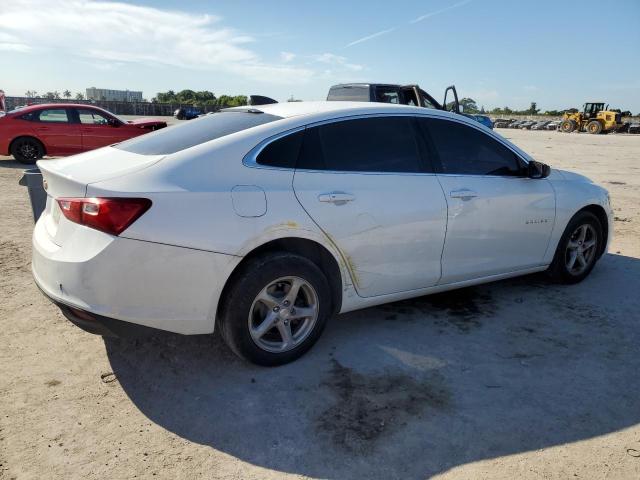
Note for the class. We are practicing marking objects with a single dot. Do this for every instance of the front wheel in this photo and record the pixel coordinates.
(568, 126)
(27, 150)
(275, 309)
(578, 249)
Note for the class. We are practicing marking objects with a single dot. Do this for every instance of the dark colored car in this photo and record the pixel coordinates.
(483, 119)
(187, 113)
(32, 132)
(400, 94)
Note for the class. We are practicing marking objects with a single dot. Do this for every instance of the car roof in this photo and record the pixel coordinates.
(330, 108)
(37, 106)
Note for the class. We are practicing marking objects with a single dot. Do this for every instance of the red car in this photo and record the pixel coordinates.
(58, 129)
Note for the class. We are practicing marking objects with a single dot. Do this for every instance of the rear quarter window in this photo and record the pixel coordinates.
(195, 132)
(282, 152)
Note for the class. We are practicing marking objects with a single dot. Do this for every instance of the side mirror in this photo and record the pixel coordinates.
(461, 108)
(538, 170)
(113, 122)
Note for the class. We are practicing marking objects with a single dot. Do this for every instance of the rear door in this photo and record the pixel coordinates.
(367, 186)
(53, 126)
(499, 220)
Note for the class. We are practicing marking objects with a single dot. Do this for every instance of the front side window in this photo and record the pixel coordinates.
(465, 150)
(53, 116)
(427, 101)
(387, 95)
(377, 144)
(91, 117)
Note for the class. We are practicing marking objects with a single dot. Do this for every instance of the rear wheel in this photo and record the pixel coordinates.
(568, 126)
(275, 309)
(594, 127)
(27, 150)
(578, 249)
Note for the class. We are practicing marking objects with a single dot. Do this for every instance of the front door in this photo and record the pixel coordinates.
(98, 130)
(499, 220)
(364, 183)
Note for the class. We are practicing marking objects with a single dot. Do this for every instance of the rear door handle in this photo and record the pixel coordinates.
(338, 198)
(42, 129)
(464, 194)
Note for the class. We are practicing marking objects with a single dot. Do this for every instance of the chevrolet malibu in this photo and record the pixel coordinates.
(266, 222)
(30, 133)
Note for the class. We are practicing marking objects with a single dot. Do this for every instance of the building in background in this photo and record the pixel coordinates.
(104, 94)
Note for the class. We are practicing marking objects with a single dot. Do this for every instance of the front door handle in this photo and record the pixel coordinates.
(337, 198)
(464, 194)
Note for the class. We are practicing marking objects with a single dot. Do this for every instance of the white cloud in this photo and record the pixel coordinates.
(336, 61)
(112, 33)
(287, 56)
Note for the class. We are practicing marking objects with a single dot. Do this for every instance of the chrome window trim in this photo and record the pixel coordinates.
(250, 159)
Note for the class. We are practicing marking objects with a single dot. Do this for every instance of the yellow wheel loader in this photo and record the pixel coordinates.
(595, 118)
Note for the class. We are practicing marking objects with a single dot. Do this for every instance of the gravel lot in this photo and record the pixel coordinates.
(517, 379)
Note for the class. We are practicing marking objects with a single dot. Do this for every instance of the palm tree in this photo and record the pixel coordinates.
(66, 94)
(79, 96)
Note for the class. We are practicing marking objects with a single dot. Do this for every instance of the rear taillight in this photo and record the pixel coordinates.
(110, 215)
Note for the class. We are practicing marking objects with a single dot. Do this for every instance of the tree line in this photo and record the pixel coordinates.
(185, 97)
(204, 97)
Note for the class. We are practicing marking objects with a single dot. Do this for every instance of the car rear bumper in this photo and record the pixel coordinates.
(99, 325)
(103, 282)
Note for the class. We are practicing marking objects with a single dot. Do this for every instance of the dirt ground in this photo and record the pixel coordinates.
(517, 379)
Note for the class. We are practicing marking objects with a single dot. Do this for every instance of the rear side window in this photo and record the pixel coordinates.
(465, 150)
(195, 132)
(355, 93)
(379, 144)
(282, 152)
(58, 115)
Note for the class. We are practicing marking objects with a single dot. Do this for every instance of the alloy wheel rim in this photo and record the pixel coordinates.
(27, 150)
(283, 314)
(581, 249)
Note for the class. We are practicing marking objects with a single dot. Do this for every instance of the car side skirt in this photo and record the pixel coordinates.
(351, 303)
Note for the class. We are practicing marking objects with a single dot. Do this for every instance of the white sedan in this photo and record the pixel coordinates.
(266, 222)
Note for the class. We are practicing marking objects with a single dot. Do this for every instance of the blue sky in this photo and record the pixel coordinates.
(499, 52)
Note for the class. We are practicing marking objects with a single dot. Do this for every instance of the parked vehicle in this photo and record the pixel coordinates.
(483, 119)
(552, 125)
(634, 128)
(594, 119)
(266, 222)
(527, 125)
(516, 124)
(401, 94)
(624, 128)
(501, 123)
(541, 125)
(187, 113)
(65, 129)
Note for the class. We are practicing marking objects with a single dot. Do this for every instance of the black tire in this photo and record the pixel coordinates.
(27, 150)
(558, 270)
(248, 283)
(568, 126)
(594, 127)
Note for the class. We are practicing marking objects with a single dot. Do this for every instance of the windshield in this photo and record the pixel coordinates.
(195, 132)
